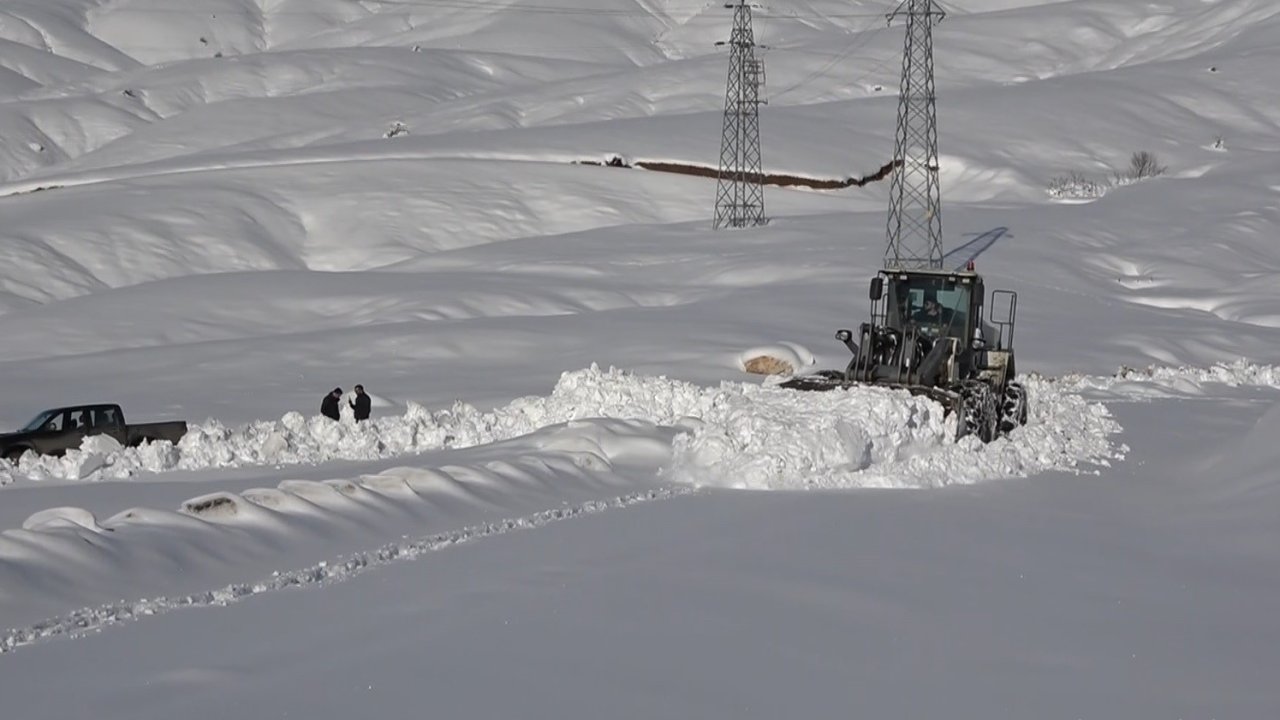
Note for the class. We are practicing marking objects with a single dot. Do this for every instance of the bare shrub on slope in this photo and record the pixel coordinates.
(1078, 186)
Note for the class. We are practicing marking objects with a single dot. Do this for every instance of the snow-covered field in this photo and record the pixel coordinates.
(219, 210)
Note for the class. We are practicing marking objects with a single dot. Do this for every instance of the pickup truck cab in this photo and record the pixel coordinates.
(54, 432)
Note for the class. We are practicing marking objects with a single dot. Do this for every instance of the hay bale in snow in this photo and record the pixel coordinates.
(768, 365)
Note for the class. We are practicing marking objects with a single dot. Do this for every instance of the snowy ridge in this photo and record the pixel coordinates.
(1130, 381)
(88, 620)
(66, 557)
(740, 435)
(344, 568)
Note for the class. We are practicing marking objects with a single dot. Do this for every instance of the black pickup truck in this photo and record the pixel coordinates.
(54, 432)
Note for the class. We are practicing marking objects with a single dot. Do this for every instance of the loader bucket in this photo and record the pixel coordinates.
(819, 381)
(825, 380)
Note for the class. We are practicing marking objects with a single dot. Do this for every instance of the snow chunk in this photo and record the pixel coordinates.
(776, 439)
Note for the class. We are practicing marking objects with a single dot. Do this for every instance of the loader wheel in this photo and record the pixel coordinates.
(978, 412)
(1013, 408)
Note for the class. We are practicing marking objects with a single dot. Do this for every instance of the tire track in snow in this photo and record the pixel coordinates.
(89, 620)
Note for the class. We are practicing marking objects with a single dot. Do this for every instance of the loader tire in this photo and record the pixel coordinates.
(979, 413)
(1013, 408)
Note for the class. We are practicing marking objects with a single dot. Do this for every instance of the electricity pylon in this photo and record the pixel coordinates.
(740, 182)
(915, 205)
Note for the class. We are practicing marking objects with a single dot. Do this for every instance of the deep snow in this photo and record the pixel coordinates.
(218, 212)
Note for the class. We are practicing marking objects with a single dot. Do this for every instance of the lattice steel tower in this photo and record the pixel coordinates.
(740, 183)
(915, 207)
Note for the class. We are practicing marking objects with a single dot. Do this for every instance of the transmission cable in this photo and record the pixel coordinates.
(375, 8)
(864, 37)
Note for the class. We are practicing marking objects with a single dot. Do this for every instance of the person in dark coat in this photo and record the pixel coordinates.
(329, 406)
(361, 404)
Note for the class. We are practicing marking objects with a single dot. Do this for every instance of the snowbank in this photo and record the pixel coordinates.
(770, 438)
(1164, 380)
(738, 435)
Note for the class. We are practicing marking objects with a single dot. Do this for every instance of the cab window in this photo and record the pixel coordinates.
(936, 306)
(54, 423)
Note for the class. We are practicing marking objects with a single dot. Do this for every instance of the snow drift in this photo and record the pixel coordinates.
(736, 435)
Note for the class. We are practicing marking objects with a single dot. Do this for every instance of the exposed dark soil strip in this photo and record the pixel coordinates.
(765, 179)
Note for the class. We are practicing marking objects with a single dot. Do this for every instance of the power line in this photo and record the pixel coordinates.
(861, 42)
(491, 8)
(454, 44)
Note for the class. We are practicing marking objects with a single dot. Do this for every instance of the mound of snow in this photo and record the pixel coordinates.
(776, 439)
(739, 435)
(1164, 380)
(63, 517)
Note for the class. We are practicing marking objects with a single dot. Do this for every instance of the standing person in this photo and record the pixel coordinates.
(329, 406)
(361, 404)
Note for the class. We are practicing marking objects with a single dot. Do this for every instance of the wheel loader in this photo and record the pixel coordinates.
(927, 335)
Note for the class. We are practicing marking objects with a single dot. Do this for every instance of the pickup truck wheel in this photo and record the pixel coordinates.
(14, 455)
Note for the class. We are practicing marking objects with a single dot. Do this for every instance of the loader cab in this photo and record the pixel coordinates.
(935, 303)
